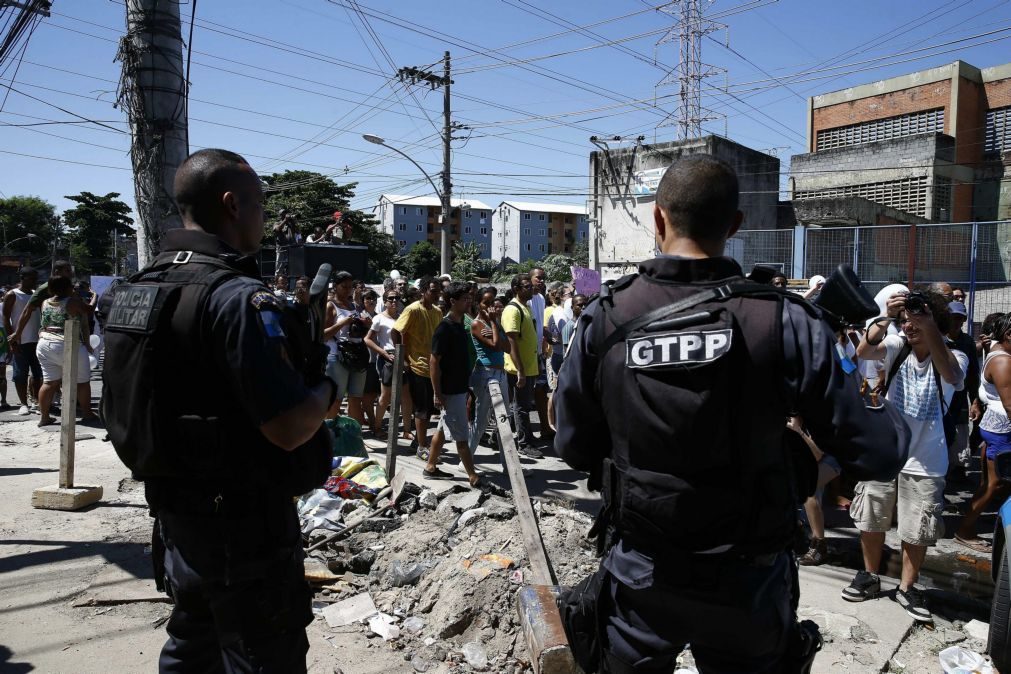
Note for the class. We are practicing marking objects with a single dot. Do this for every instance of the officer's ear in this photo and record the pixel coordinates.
(659, 225)
(230, 204)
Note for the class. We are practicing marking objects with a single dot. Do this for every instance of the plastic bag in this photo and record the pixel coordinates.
(346, 437)
(959, 660)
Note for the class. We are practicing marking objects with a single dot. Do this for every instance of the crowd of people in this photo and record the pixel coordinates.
(456, 337)
(34, 319)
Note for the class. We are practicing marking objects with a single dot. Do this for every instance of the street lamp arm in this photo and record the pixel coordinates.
(408, 158)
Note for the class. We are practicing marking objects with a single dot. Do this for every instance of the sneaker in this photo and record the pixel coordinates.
(815, 555)
(915, 604)
(529, 452)
(864, 586)
(23, 411)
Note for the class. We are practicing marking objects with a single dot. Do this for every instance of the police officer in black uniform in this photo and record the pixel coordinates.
(674, 397)
(213, 402)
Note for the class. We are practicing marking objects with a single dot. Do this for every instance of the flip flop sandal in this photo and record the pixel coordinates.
(422, 453)
(437, 474)
(978, 544)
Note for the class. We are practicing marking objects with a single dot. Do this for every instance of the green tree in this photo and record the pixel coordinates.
(313, 198)
(92, 224)
(21, 216)
(506, 275)
(557, 267)
(581, 254)
(422, 260)
(468, 263)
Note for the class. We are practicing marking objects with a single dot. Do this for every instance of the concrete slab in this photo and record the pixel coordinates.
(348, 611)
(116, 585)
(859, 637)
(55, 497)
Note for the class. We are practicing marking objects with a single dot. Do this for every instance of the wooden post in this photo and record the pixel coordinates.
(391, 438)
(68, 413)
(66, 496)
(540, 568)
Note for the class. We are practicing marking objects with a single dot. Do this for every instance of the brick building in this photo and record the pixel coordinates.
(935, 145)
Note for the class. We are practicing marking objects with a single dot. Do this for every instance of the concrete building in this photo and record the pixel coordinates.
(934, 145)
(624, 181)
(525, 230)
(411, 219)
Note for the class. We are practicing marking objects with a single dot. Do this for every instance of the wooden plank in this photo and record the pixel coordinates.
(394, 434)
(540, 568)
(68, 414)
(542, 626)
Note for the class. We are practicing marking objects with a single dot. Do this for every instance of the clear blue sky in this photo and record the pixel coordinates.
(326, 75)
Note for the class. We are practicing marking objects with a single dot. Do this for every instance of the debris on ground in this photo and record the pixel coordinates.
(435, 576)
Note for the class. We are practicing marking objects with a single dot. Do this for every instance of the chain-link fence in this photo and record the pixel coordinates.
(973, 256)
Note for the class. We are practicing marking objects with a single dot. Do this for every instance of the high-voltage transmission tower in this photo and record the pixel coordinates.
(690, 72)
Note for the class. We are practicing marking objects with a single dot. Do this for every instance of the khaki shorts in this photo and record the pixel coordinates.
(920, 501)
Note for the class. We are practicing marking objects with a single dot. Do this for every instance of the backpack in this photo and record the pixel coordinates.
(157, 311)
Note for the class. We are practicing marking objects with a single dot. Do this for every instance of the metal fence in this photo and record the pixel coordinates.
(974, 256)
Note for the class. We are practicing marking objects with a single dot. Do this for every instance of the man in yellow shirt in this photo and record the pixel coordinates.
(521, 360)
(414, 328)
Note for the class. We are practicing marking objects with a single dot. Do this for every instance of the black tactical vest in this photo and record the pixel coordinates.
(697, 413)
(170, 414)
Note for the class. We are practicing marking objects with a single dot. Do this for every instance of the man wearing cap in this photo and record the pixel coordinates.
(958, 412)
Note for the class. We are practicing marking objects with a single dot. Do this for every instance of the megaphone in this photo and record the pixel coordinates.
(844, 300)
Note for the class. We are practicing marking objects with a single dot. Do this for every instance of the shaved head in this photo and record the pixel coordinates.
(201, 181)
(699, 195)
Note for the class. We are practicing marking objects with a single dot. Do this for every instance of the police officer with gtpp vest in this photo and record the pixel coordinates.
(675, 396)
(215, 400)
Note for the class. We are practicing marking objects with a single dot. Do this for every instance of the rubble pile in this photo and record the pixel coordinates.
(435, 578)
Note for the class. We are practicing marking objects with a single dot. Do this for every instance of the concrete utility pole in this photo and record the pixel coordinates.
(447, 183)
(153, 91)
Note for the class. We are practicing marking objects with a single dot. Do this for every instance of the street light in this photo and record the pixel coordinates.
(444, 218)
(21, 238)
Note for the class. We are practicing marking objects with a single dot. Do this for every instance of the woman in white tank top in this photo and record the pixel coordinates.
(995, 429)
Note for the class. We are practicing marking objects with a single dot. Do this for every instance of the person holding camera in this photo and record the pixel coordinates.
(922, 377)
(286, 234)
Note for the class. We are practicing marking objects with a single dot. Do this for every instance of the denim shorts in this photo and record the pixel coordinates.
(25, 361)
(454, 422)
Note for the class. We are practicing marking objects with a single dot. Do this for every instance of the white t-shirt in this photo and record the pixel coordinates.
(30, 334)
(383, 324)
(914, 392)
(536, 305)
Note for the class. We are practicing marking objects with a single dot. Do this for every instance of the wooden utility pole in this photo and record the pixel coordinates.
(153, 91)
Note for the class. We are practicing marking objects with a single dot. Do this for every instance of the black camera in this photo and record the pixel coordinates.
(917, 303)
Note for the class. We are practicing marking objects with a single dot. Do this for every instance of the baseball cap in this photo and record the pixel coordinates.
(957, 308)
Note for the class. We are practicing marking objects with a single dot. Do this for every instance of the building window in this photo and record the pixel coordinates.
(541, 217)
(526, 231)
(540, 247)
(526, 216)
(403, 210)
(420, 228)
(528, 247)
(420, 211)
(998, 130)
(907, 194)
(568, 219)
(469, 214)
(484, 214)
(402, 227)
(466, 230)
(551, 232)
(540, 232)
(926, 121)
(484, 231)
(582, 235)
(482, 246)
(403, 244)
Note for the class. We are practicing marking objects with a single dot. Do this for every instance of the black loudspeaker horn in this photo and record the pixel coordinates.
(844, 299)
